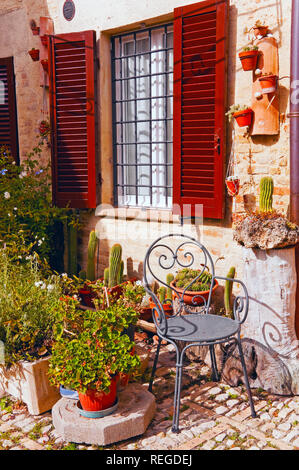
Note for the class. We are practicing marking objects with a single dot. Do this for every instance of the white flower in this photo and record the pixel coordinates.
(43, 285)
(8, 214)
(63, 275)
(138, 283)
(38, 283)
(50, 287)
(39, 242)
(21, 175)
(6, 195)
(15, 208)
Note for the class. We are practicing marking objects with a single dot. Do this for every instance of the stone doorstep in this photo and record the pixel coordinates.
(135, 411)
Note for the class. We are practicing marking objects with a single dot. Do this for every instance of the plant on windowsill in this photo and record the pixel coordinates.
(91, 353)
(34, 54)
(248, 57)
(241, 113)
(193, 285)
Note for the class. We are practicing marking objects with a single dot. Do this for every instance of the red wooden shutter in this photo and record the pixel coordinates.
(8, 115)
(199, 106)
(73, 108)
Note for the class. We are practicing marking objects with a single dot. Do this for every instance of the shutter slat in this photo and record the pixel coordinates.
(72, 89)
(199, 105)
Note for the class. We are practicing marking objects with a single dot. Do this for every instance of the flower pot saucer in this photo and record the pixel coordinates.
(97, 414)
(67, 393)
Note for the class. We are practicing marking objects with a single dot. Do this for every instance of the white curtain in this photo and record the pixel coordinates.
(145, 141)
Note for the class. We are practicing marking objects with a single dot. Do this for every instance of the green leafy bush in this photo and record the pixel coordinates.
(27, 215)
(28, 305)
(90, 347)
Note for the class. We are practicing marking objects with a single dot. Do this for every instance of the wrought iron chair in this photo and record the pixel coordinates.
(187, 328)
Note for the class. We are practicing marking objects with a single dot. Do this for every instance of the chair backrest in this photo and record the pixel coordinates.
(178, 254)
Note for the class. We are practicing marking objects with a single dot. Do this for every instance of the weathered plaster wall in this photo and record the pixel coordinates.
(257, 157)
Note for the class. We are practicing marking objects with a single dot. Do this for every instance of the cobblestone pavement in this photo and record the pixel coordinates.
(214, 416)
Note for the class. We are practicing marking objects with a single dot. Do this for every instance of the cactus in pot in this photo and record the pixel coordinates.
(92, 246)
(266, 194)
(115, 265)
(162, 294)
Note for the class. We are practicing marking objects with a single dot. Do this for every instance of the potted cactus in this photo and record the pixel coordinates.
(193, 285)
(248, 57)
(164, 294)
(241, 113)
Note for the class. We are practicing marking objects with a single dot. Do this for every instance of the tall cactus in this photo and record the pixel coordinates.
(72, 250)
(266, 194)
(169, 279)
(92, 246)
(115, 265)
(162, 294)
(228, 292)
(106, 277)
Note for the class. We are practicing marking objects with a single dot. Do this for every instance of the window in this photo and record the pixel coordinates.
(8, 116)
(142, 70)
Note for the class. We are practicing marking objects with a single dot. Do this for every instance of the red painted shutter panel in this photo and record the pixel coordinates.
(8, 115)
(199, 106)
(73, 118)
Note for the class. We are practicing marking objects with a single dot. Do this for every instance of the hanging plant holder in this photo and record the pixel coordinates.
(268, 83)
(249, 59)
(44, 40)
(244, 117)
(45, 64)
(34, 54)
(232, 185)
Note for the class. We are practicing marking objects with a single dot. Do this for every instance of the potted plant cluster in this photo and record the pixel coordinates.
(193, 285)
(248, 57)
(241, 113)
(91, 353)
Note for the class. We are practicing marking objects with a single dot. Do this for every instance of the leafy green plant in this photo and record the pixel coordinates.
(234, 108)
(90, 348)
(27, 213)
(250, 48)
(28, 304)
(186, 276)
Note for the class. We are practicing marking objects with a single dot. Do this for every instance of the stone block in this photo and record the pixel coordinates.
(29, 382)
(136, 408)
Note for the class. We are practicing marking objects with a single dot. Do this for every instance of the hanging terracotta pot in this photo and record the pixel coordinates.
(260, 31)
(243, 117)
(268, 83)
(44, 40)
(232, 185)
(34, 54)
(45, 64)
(35, 30)
(249, 59)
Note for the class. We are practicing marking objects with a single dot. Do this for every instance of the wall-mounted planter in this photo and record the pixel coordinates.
(45, 64)
(44, 40)
(244, 117)
(268, 83)
(34, 54)
(248, 60)
(35, 30)
(232, 185)
(260, 31)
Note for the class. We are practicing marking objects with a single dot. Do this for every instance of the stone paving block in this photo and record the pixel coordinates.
(135, 411)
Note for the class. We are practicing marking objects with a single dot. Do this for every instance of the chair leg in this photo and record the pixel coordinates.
(177, 393)
(150, 386)
(215, 375)
(253, 413)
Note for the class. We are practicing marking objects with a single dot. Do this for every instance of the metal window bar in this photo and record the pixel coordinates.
(124, 184)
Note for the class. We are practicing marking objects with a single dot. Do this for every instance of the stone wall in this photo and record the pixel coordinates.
(257, 157)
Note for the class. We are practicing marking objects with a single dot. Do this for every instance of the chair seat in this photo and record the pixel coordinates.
(200, 327)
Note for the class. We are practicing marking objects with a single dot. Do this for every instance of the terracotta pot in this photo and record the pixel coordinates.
(244, 117)
(97, 401)
(35, 31)
(167, 307)
(249, 60)
(190, 295)
(86, 296)
(146, 314)
(44, 40)
(34, 53)
(45, 64)
(268, 83)
(233, 186)
(260, 31)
